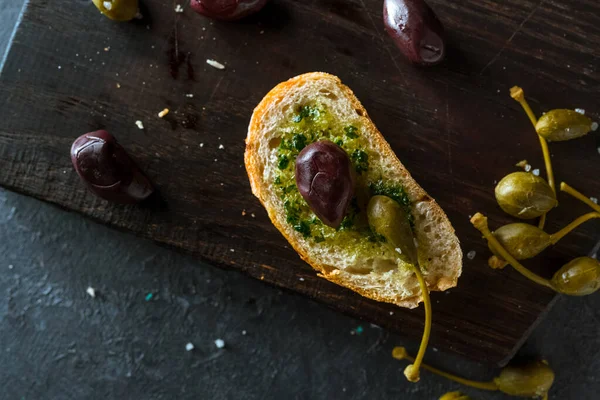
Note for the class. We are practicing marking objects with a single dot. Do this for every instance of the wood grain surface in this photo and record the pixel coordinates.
(70, 71)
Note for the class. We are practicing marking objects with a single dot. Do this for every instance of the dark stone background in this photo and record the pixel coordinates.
(56, 342)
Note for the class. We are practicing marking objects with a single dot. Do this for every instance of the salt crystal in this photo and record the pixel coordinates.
(232, 250)
(301, 279)
(244, 332)
(215, 64)
(580, 111)
(471, 254)
(221, 147)
(59, 67)
(201, 144)
(219, 343)
(594, 200)
(189, 347)
(594, 126)
(189, 95)
(528, 168)
(90, 290)
(139, 124)
(107, 5)
(253, 215)
(10, 266)
(536, 172)
(178, 8)
(391, 313)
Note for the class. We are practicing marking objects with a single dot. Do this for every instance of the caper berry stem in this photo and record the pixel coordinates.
(400, 353)
(555, 237)
(412, 371)
(517, 93)
(480, 223)
(579, 196)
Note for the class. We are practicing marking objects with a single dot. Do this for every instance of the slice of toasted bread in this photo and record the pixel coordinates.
(354, 262)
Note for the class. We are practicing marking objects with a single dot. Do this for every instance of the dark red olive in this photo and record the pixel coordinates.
(227, 10)
(324, 178)
(416, 30)
(106, 168)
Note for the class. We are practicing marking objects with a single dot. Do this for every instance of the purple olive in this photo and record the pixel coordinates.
(227, 10)
(416, 30)
(324, 178)
(107, 169)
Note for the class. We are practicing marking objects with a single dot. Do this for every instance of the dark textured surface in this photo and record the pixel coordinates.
(59, 343)
(449, 125)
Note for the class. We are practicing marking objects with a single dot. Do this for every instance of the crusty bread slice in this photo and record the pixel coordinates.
(376, 277)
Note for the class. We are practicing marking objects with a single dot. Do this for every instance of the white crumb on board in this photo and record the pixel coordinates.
(178, 8)
(91, 291)
(189, 347)
(139, 124)
(536, 172)
(220, 343)
(215, 64)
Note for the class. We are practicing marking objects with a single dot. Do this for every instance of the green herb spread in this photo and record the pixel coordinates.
(311, 123)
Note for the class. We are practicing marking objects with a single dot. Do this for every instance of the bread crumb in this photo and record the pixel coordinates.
(580, 111)
(594, 200)
(471, 254)
(189, 347)
(139, 124)
(215, 64)
(163, 113)
(90, 290)
(178, 8)
(536, 172)
(521, 164)
(220, 343)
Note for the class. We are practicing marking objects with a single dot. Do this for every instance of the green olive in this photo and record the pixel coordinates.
(390, 220)
(524, 195)
(560, 125)
(531, 380)
(118, 10)
(522, 240)
(578, 277)
(455, 396)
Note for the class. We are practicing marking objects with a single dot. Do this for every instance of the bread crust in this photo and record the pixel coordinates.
(421, 201)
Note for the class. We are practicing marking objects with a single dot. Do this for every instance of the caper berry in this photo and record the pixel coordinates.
(390, 220)
(324, 179)
(455, 396)
(524, 195)
(578, 277)
(522, 240)
(118, 10)
(530, 380)
(559, 125)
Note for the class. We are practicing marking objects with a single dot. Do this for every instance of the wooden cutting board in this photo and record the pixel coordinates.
(70, 71)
